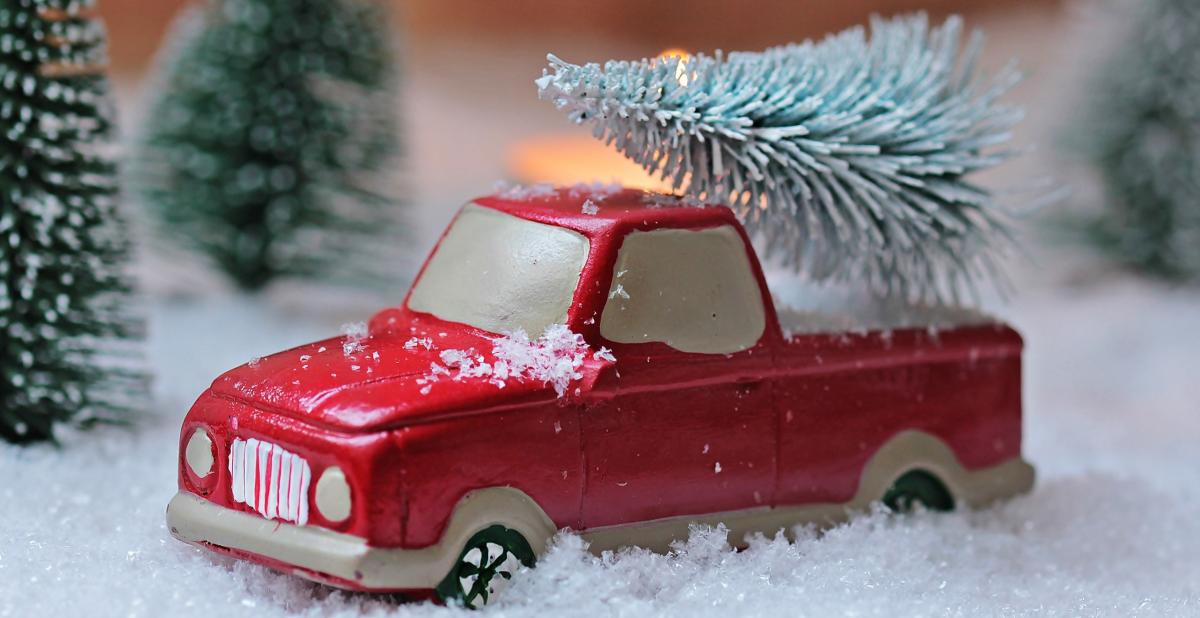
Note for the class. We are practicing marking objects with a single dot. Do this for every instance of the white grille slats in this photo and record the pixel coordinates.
(269, 479)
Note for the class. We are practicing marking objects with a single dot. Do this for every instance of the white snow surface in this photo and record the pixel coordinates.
(1111, 528)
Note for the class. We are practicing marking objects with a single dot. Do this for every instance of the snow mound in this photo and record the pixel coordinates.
(1066, 550)
(554, 358)
(1110, 529)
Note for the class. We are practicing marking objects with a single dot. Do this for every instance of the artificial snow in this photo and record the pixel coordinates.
(595, 191)
(604, 354)
(1111, 528)
(554, 359)
(353, 335)
(541, 190)
(598, 190)
(654, 199)
(424, 342)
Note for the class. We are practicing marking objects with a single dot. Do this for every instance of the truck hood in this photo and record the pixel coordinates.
(407, 368)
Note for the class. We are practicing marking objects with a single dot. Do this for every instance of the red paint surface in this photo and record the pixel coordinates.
(789, 421)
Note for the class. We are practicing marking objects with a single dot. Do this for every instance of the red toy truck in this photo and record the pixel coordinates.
(609, 362)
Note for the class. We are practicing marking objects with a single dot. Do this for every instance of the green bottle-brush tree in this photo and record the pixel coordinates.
(270, 142)
(1142, 136)
(67, 342)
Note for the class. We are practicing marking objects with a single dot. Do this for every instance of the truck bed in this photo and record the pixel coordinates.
(808, 310)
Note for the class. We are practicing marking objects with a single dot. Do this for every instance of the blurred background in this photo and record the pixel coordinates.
(470, 113)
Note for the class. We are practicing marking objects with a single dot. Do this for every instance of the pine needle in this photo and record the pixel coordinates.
(849, 157)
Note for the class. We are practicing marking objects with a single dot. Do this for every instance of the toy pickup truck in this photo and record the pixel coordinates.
(609, 362)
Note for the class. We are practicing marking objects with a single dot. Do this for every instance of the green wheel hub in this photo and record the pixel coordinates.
(918, 487)
(485, 566)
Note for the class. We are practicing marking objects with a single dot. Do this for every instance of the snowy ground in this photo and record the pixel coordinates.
(1110, 530)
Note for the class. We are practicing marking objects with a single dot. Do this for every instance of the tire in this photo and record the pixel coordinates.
(486, 565)
(918, 487)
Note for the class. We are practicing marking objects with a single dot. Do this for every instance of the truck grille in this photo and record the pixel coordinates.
(269, 479)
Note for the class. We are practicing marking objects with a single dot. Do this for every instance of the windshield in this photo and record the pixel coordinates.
(501, 273)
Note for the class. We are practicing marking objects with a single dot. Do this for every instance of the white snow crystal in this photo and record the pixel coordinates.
(619, 291)
(590, 207)
(597, 190)
(469, 365)
(424, 342)
(666, 200)
(427, 381)
(604, 354)
(355, 333)
(554, 358)
(540, 190)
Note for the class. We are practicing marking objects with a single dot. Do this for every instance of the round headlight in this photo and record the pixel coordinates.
(333, 495)
(199, 453)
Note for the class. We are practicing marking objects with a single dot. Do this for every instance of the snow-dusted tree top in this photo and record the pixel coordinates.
(849, 157)
(69, 336)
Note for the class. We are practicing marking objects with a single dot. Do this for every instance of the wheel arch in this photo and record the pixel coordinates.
(506, 506)
(912, 450)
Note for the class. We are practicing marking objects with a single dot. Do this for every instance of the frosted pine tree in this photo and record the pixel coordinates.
(1143, 136)
(271, 141)
(850, 157)
(65, 337)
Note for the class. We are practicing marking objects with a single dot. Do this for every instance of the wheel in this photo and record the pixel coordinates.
(485, 566)
(918, 487)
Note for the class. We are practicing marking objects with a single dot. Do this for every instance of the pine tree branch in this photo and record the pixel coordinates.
(849, 157)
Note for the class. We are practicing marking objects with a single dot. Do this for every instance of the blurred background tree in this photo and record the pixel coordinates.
(271, 137)
(67, 341)
(1142, 136)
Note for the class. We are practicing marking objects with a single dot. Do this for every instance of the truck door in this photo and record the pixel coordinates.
(691, 426)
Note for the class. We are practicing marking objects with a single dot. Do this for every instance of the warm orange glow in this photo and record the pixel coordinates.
(672, 52)
(565, 159)
(680, 69)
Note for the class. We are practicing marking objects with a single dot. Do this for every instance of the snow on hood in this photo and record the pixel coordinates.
(368, 380)
(555, 359)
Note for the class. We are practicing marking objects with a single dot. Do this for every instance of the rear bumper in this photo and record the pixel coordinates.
(330, 557)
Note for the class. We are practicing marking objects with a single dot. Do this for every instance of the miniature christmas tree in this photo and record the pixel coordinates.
(270, 144)
(1143, 137)
(64, 335)
(850, 157)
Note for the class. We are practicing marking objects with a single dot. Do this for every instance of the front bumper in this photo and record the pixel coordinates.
(330, 557)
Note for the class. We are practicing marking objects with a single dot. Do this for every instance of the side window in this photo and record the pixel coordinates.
(691, 289)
